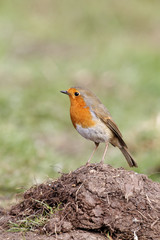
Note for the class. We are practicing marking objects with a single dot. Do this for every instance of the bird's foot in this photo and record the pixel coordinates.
(101, 163)
(87, 164)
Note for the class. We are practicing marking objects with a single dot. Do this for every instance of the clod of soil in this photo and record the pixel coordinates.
(94, 201)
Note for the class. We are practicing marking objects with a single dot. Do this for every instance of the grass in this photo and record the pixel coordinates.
(112, 48)
(33, 222)
(27, 224)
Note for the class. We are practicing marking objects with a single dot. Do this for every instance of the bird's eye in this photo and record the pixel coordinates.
(76, 94)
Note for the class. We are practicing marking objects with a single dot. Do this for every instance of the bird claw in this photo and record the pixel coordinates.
(101, 163)
(87, 164)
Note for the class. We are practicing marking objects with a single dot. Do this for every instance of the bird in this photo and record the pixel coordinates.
(93, 121)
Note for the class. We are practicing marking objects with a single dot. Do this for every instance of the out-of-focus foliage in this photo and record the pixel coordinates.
(111, 47)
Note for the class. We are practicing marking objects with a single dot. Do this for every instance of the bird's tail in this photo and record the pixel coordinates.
(128, 157)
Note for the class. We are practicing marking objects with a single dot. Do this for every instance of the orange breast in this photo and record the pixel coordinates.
(80, 113)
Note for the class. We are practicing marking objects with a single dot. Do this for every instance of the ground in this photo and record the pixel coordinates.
(95, 200)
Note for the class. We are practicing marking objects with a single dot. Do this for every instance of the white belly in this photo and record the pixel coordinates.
(98, 133)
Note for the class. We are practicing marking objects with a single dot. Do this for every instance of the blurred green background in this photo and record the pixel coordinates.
(110, 47)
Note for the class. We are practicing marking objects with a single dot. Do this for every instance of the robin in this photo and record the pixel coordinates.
(94, 122)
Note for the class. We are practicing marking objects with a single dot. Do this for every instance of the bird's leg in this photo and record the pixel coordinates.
(104, 154)
(97, 144)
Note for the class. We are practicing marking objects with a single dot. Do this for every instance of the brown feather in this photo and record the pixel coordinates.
(113, 127)
(128, 157)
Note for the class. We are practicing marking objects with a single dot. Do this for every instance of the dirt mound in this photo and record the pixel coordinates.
(94, 199)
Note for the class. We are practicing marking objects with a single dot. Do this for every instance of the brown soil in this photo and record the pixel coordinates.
(92, 202)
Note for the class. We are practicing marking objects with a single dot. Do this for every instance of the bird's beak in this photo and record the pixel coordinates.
(65, 92)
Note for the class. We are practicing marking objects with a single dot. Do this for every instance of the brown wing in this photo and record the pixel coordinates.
(113, 127)
(105, 117)
(102, 112)
(111, 124)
